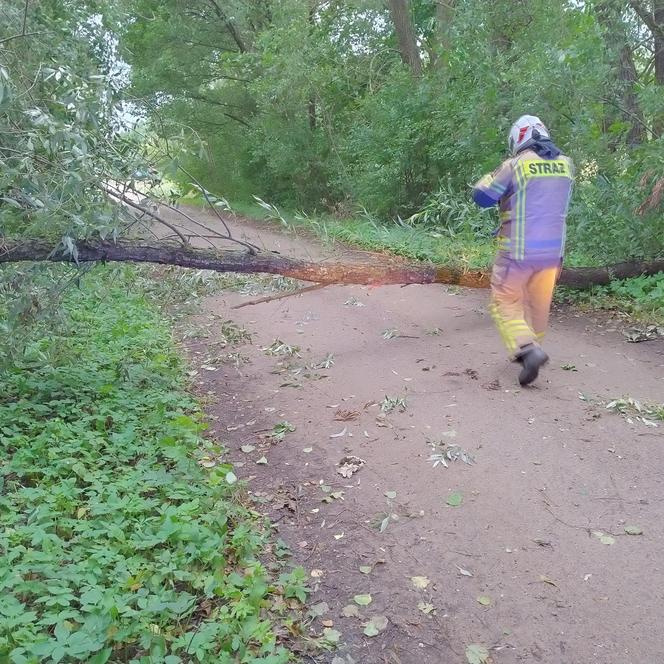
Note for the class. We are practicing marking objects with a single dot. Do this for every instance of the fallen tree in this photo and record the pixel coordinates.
(387, 270)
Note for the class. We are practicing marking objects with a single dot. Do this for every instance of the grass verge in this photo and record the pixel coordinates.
(117, 542)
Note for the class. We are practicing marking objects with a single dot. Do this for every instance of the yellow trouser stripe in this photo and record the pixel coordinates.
(510, 330)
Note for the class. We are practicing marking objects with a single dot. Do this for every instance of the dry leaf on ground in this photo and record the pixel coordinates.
(349, 465)
(477, 654)
(420, 582)
(346, 415)
(375, 626)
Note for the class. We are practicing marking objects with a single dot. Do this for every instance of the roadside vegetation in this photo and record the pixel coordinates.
(124, 536)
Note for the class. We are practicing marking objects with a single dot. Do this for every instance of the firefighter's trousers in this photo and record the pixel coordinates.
(521, 295)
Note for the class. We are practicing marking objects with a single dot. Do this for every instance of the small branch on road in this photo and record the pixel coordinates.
(280, 296)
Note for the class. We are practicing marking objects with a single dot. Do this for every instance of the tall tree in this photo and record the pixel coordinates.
(406, 37)
(652, 15)
(620, 54)
(444, 17)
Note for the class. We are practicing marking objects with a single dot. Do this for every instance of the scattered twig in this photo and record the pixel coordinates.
(279, 296)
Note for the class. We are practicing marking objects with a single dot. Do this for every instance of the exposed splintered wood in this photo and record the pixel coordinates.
(373, 272)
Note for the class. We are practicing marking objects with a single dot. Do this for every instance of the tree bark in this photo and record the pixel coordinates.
(622, 61)
(311, 103)
(388, 271)
(658, 33)
(444, 15)
(653, 18)
(410, 54)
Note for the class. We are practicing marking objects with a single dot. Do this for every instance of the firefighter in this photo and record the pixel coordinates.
(532, 189)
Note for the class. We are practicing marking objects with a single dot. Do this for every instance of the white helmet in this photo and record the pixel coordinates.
(525, 131)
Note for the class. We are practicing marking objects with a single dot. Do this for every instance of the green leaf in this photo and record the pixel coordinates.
(363, 600)
(101, 657)
(633, 530)
(477, 654)
(375, 626)
(455, 499)
(603, 538)
(331, 636)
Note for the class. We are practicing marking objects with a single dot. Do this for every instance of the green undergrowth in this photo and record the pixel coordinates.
(116, 543)
(641, 298)
(463, 248)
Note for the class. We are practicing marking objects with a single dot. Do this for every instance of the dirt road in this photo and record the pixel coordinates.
(534, 564)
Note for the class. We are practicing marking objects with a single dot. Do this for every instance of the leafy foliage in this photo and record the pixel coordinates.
(116, 544)
(327, 118)
(59, 107)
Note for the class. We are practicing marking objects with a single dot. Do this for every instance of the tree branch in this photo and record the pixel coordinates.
(229, 26)
(25, 16)
(118, 195)
(23, 34)
(213, 102)
(647, 17)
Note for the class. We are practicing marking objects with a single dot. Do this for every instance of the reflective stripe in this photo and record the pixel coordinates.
(510, 330)
(498, 188)
(519, 249)
(564, 238)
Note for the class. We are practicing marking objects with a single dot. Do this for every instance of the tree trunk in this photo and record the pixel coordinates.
(621, 59)
(658, 44)
(444, 15)
(410, 54)
(653, 18)
(311, 103)
(658, 15)
(387, 271)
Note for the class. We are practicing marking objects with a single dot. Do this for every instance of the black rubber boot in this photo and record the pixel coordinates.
(532, 358)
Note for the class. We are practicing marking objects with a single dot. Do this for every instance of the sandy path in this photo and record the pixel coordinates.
(551, 468)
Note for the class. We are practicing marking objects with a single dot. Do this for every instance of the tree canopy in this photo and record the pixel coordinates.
(391, 106)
